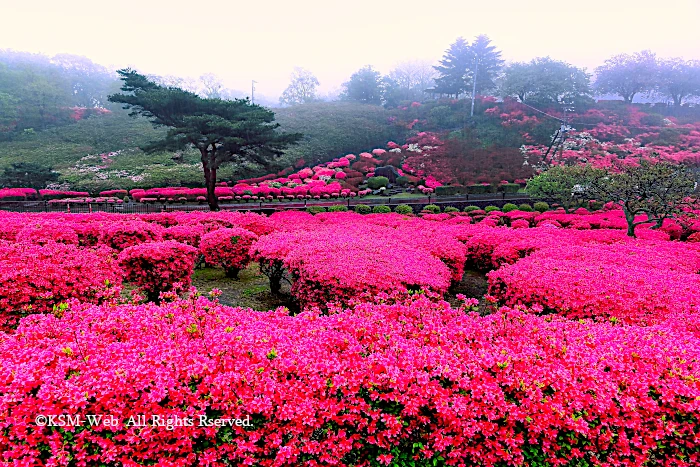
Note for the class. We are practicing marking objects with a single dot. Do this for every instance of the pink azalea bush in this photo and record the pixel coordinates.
(399, 381)
(158, 267)
(36, 278)
(228, 248)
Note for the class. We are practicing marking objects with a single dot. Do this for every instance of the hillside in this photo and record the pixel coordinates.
(102, 151)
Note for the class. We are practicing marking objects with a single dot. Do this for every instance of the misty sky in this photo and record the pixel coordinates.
(265, 39)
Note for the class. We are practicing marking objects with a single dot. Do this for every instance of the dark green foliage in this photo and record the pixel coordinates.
(338, 208)
(447, 190)
(453, 79)
(451, 209)
(541, 206)
(26, 174)
(491, 208)
(479, 189)
(509, 188)
(403, 180)
(376, 183)
(434, 208)
(471, 208)
(315, 209)
(335, 128)
(508, 207)
(363, 209)
(403, 209)
(485, 64)
(220, 130)
(526, 207)
(545, 81)
(381, 209)
(563, 184)
(365, 86)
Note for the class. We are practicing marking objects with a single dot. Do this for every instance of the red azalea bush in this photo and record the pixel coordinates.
(35, 278)
(158, 266)
(121, 235)
(640, 283)
(49, 231)
(338, 262)
(399, 383)
(228, 248)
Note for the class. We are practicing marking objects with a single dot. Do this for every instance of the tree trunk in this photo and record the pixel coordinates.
(630, 224)
(209, 179)
(677, 99)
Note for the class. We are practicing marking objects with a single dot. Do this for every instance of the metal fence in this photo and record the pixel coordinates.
(417, 203)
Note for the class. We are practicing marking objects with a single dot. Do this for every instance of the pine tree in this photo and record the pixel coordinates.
(453, 69)
(222, 130)
(485, 64)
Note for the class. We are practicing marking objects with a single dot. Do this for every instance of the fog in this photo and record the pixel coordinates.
(263, 41)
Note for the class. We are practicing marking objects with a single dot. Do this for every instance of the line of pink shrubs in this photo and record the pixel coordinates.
(29, 194)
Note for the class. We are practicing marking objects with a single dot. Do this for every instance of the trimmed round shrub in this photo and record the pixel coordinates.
(121, 235)
(508, 207)
(541, 206)
(338, 208)
(472, 208)
(228, 248)
(525, 207)
(376, 183)
(491, 208)
(315, 209)
(433, 208)
(381, 209)
(451, 209)
(402, 180)
(158, 267)
(403, 209)
(363, 209)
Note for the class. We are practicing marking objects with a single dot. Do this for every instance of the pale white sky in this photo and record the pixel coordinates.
(264, 39)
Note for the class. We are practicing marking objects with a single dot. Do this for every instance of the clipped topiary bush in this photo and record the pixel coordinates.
(434, 208)
(525, 207)
(491, 208)
(403, 209)
(228, 248)
(471, 208)
(381, 209)
(338, 208)
(402, 180)
(363, 209)
(376, 183)
(508, 207)
(509, 188)
(541, 206)
(315, 209)
(449, 190)
(158, 266)
(451, 209)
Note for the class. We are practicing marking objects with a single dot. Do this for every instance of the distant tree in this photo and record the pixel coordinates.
(628, 75)
(301, 89)
(679, 79)
(211, 86)
(365, 86)
(655, 190)
(486, 63)
(221, 130)
(27, 175)
(453, 78)
(412, 78)
(546, 81)
(563, 184)
(90, 83)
